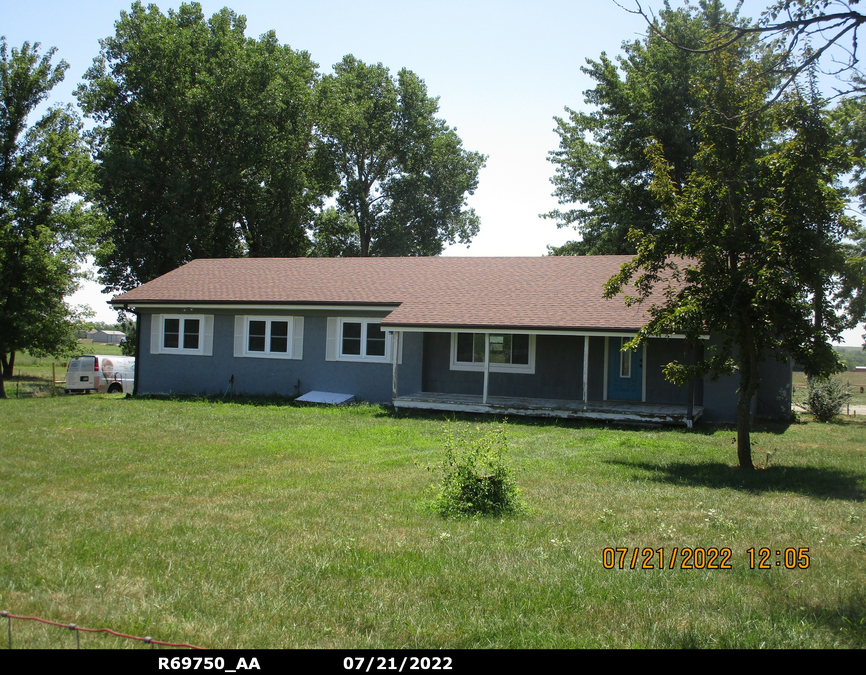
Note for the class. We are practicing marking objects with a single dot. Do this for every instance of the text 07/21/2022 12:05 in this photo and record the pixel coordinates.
(702, 558)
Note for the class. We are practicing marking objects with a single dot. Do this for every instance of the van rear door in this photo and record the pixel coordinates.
(82, 374)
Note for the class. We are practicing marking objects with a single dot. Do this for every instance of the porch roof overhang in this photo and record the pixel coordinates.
(534, 330)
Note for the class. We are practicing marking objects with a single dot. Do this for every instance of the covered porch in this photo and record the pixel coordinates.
(611, 411)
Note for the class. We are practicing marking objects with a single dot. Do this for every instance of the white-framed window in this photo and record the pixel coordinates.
(509, 352)
(363, 340)
(269, 337)
(190, 334)
(357, 339)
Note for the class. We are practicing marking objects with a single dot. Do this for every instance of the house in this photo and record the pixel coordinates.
(503, 335)
(107, 336)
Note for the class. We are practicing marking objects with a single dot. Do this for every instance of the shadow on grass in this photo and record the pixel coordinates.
(775, 427)
(817, 482)
(254, 401)
(28, 378)
(513, 420)
(847, 618)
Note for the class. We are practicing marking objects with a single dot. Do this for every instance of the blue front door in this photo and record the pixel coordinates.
(624, 372)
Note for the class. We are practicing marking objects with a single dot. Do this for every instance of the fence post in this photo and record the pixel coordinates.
(9, 619)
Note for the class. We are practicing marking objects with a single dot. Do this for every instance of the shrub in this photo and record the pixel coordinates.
(477, 479)
(825, 397)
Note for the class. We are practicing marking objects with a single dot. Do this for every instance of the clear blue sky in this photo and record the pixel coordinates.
(501, 69)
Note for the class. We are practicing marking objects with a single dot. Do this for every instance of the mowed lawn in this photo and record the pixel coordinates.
(253, 525)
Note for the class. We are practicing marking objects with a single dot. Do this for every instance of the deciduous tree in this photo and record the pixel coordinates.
(404, 174)
(806, 35)
(602, 171)
(46, 227)
(205, 142)
(754, 235)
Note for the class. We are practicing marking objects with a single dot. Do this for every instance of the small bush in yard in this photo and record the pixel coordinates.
(825, 397)
(477, 479)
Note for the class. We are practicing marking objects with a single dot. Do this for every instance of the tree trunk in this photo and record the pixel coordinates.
(749, 382)
(8, 365)
(363, 217)
(744, 428)
(2, 385)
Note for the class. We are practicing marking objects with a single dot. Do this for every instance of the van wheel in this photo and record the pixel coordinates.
(115, 389)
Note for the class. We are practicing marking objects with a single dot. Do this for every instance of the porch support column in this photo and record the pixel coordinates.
(395, 354)
(643, 375)
(585, 369)
(690, 401)
(486, 365)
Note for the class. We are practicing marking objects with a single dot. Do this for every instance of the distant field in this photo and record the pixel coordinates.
(857, 382)
(854, 356)
(259, 525)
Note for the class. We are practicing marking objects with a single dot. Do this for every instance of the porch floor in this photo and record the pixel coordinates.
(614, 411)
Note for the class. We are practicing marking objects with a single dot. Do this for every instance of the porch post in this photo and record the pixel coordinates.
(585, 369)
(395, 353)
(643, 375)
(690, 402)
(486, 365)
(606, 367)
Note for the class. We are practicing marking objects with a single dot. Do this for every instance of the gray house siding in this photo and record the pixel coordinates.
(437, 375)
(425, 367)
(558, 370)
(210, 375)
(773, 400)
(774, 397)
(595, 381)
(661, 352)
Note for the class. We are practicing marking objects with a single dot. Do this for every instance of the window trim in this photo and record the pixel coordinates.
(267, 353)
(522, 368)
(182, 319)
(362, 357)
(295, 337)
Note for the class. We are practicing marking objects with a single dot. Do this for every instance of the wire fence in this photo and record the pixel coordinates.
(80, 629)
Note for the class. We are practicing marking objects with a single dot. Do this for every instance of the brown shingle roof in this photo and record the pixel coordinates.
(529, 293)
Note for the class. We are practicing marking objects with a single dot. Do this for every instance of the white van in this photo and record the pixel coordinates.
(100, 374)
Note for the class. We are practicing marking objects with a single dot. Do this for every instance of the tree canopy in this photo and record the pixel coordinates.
(205, 143)
(404, 174)
(602, 173)
(754, 235)
(46, 227)
(806, 35)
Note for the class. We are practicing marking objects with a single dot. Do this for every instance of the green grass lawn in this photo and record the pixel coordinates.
(255, 525)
